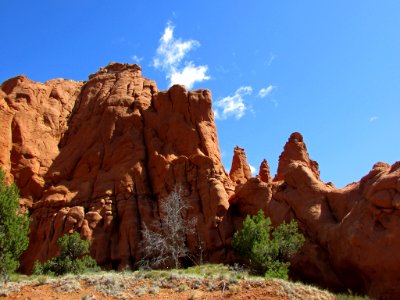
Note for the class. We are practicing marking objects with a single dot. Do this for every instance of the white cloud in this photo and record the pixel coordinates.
(170, 56)
(232, 105)
(189, 75)
(168, 34)
(374, 118)
(170, 52)
(264, 92)
(136, 59)
(252, 169)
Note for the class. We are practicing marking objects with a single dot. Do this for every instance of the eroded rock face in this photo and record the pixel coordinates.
(33, 120)
(295, 150)
(240, 170)
(98, 157)
(352, 234)
(265, 173)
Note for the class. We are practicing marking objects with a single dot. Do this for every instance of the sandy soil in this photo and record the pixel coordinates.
(128, 286)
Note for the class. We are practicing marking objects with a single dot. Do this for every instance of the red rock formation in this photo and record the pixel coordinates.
(33, 120)
(352, 233)
(265, 173)
(240, 170)
(125, 148)
(98, 157)
(295, 150)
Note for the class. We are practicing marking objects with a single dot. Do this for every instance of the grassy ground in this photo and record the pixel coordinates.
(199, 282)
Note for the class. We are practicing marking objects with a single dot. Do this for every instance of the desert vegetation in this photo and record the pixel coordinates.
(164, 244)
(267, 250)
(209, 281)
(14, 227)
(73, 258)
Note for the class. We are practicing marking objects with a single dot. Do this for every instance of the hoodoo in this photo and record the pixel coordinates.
(99, 157)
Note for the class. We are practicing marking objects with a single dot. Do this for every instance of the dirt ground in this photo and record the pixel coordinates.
(125, 286)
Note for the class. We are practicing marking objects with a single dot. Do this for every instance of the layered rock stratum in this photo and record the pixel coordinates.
(99, 157)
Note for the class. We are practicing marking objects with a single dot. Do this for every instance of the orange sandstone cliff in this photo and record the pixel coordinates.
(352, 234)
(98, 157)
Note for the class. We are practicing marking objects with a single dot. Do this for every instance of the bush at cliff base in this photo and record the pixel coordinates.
(267, 250)
(73, 258)
(14, 228)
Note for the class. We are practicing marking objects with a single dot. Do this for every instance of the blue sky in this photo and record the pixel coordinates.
(328, 69)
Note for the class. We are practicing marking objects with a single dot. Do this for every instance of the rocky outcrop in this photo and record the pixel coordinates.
(265, 173)
(352, 234)
(240, 170)
(99, 157)
(33, 121)
(295, 150)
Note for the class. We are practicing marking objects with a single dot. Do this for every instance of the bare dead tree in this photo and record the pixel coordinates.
(167, 246)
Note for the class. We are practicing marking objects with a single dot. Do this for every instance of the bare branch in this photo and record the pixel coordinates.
(167, 247)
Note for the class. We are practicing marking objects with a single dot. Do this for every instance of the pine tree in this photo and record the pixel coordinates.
(14, 228)
(73, 258)
(267, 249)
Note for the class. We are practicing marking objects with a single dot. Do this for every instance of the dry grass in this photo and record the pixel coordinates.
(192, 283)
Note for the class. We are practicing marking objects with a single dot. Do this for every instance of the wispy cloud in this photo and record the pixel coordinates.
(270, 59)
(252, 169)
(171, 51)
(275, 102)
(136, 59)
(119, 40)
(221, 69)
(170, 56)
(264, 92)
(232, 106)
(373, 119)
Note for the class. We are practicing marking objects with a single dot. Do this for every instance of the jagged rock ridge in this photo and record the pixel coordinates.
(352, 234)
(97, 157)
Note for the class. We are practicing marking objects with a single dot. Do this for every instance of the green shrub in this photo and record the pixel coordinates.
(73, 258)
(14, 229)
(267, 250)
